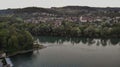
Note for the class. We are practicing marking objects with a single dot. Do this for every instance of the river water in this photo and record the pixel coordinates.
(72, 52)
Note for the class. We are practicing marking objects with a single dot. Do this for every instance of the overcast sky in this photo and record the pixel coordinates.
(57, 3)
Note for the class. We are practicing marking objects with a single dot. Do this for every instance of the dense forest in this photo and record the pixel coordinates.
(69, 29)
(13, 38)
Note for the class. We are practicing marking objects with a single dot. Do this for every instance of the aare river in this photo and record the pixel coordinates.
(72, 52)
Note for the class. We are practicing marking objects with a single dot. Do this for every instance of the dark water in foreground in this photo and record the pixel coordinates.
(72, 52)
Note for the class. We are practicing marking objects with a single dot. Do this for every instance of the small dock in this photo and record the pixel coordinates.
(8, 62)
(1, 64)
(5, 61)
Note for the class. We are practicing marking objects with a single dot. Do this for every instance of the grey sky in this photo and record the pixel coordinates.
(57, 3)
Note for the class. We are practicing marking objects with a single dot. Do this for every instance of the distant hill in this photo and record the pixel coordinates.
(34, 9)
(2, 12)
(67, 10)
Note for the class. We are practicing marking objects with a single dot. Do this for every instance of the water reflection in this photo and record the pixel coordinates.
(88, 41)
(83, 52)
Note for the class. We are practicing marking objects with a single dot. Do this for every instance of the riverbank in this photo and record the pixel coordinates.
(24, 51)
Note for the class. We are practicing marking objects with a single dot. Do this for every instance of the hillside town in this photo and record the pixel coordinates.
(57, 20)
(75, 14)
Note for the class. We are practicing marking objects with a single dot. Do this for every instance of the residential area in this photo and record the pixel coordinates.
(57, 20)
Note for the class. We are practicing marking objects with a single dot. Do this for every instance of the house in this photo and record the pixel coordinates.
(86, 19)
(98, 19)
(83, 19)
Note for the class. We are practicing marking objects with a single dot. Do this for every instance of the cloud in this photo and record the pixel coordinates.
(57, 3)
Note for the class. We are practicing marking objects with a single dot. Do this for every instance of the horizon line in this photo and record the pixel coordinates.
(61, 6)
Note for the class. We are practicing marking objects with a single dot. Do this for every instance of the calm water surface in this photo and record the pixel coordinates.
(72, 52)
